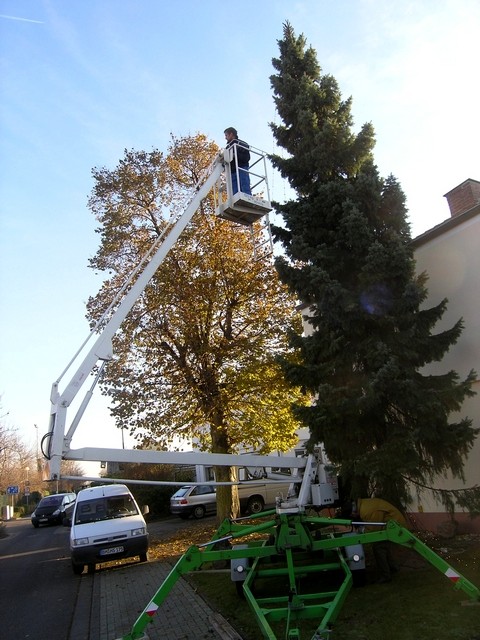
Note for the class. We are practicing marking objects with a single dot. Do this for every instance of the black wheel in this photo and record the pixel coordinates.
(91, 567)
(35, 524)
(143, 557)
(255, 505)
(199, 512)
(77, 569)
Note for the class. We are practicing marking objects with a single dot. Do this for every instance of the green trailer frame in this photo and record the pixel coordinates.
(290, 546)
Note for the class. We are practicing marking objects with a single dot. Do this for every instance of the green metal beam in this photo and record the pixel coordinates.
(297, 546)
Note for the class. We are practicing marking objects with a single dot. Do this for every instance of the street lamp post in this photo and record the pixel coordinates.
(27, 486)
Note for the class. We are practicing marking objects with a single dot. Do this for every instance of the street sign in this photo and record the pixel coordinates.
(27, 491)
(12, 489)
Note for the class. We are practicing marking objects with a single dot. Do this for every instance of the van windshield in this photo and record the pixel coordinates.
(105, 509)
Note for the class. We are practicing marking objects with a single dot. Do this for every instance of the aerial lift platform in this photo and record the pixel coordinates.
(289, 544)
(239, 207)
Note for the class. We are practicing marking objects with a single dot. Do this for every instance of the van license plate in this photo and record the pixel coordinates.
(107, 552)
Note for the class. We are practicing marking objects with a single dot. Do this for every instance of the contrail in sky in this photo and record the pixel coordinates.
(22, 19)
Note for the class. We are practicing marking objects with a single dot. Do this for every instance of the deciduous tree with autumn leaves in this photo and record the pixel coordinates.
(197, 356)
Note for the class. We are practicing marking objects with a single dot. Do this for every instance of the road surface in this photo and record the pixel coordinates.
(40, 597)
(38, 591)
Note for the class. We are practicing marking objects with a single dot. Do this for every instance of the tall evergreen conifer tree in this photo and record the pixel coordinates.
(349, 260)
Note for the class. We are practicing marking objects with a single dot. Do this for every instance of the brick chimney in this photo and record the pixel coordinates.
(464, 197)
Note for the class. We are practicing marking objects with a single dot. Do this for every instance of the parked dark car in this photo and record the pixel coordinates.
(51, 509)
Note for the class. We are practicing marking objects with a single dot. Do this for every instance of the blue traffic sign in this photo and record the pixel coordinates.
(12, 489)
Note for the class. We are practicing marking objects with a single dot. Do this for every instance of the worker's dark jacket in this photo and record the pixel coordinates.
(243, 154)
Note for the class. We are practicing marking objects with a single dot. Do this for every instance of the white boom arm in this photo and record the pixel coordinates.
(240, 208)
(58, 443)
(310, 484)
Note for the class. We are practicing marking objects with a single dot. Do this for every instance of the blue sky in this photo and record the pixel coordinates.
(81, 80)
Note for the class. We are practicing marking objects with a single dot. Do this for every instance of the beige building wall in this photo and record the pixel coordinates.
(450, 254)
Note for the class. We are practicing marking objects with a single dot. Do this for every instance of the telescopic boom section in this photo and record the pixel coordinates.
(238, 207)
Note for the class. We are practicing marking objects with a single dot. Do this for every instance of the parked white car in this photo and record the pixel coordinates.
(201, 500)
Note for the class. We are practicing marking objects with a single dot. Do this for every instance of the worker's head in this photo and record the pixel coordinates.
(230, 134)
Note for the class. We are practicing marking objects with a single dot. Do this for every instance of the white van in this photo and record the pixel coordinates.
(106, 525)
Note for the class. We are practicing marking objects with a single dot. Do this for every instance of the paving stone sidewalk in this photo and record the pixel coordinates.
(125, 592)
